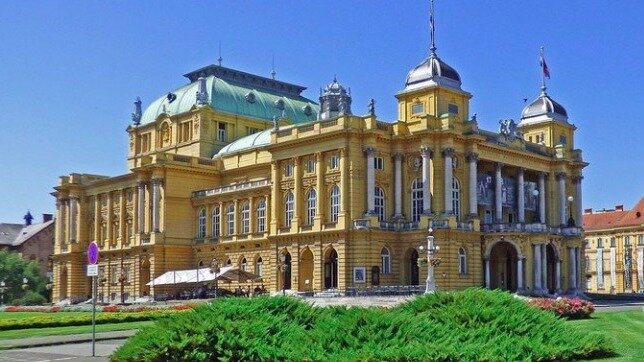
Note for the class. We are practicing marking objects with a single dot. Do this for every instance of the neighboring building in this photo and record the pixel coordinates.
(32, 241)
(615, 249)
(244, 169)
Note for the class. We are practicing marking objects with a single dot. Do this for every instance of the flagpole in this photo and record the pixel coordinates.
(543, 73)
(432, 27)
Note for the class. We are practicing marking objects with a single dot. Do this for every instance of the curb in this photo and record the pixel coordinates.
(65, 339)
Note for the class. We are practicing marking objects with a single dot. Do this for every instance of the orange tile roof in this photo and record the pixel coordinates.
(612, 219)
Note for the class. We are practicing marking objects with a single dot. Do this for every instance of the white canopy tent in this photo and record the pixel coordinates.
(227, 273)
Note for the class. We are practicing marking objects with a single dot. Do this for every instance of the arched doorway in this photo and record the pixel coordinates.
(503, 266)
(286, 271)
(331, 270)
(62, 294)
(412, 267)
(144, 278)
(305, 278)
(551, 268)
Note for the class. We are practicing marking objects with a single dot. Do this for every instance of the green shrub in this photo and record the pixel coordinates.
(446, 326)
(30, 298)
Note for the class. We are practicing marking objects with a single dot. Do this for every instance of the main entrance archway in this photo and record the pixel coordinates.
(411, 264)
(551, 268)
(144, 278)
(63, 284)
(503, 266)
(305, 278)
(331, 269)
(286, 281)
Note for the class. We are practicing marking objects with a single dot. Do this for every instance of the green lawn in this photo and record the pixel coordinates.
(39, 332)
(55, 315)
(624, 329)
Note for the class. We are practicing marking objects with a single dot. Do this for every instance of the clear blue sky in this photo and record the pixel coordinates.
(69, 72)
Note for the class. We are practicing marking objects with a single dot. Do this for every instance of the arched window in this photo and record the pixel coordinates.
(259, 266)
(456, 198)
(243, 264)
(201, 224)
(379, 203)
(288, 209)
(416, 199)
(229, 262)
(311, 206)
(385, 257)
(335, 203)
(215, 222)
(261, 215)
(245, 217)
(230, 216)
(462, 261)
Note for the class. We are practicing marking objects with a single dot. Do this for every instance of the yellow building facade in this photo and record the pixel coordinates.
(244, 169)
(615, 250)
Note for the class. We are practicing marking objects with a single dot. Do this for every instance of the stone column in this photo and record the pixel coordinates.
(544, 268)
(141, 207)
(498, 184)
(426, 154)
(320, 187)
(237, 229)
(251, 216)
(59, 223)
(64, 233)
(472, 158)
(520, 274)
(536, 261)
(156, 204)
(573, 268)
(298, 194)
(578, 204)
(344, 182)
(97, 218)
(275, 205)
(222, 219)
(448, 208)
(558, 276)
(371, 180)
(398, 184)
(640, 267)
(561, 186)
(73, 210)
(488, 283)
(613, 271)
(521, 196)
(542, 197)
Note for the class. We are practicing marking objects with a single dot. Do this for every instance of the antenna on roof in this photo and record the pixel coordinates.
(273, 68)
(220, 58)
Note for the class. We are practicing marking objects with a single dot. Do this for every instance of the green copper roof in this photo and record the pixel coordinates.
(240, 98)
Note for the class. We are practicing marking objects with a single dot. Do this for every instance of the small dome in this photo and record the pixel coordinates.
(255, 140)
(432, 71)
(334, 88)
(335, 100)
(544, 107)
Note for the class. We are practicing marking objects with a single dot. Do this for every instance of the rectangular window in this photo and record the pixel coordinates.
(452, 108)
(600, 268)
(288, 170)
(529, 138)
(563, 140)
(417, 108)
(145, 142)
(221, 132)
(334, 162)
(251, 130)
(215, 222)
(231, 219)
(310, 165)
(185, 131)
(378, 163)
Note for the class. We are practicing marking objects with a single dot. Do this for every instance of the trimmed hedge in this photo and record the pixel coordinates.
(474, 324)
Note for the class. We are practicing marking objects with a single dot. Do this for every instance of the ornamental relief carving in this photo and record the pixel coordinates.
(287, 185)
(332, 178)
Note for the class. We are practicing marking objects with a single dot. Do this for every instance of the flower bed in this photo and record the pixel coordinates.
(99, 308)
(569, 308)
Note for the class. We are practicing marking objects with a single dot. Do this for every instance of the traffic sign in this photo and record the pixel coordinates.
(92, 253)
(92, 270)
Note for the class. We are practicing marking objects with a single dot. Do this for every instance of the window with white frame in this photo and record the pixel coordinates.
(261, 215)
(259, 267)
(335, 203)
(379, 203)
(230, 216)
(201, 224)
(215, 221)
(245, 217)
(334, 162)
(311, 206)
(288, 209)
(462, 261)
(385, 261)
(221, 132)
(456, 198)
(243, 264)
(310, 165)
(416, 199)
(378, 163)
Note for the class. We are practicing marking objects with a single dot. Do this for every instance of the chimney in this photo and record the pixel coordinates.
(588, 211)
(47, 217)
(619, 207)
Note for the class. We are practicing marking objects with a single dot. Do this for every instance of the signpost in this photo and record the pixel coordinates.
(92, 271)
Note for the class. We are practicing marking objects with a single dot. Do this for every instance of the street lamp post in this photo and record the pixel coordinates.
(535, 195)
(3, 288)
(283, 267)
(571, 221)
(122, 279)
(25, 283)
(432, 261)
(214, 268)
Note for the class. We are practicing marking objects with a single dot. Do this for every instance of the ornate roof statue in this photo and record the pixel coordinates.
(335, 100)
(136, 116)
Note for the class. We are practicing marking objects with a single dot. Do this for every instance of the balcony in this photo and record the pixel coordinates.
(531, 228)
(361, 224)
(439, 224)
(232, 188)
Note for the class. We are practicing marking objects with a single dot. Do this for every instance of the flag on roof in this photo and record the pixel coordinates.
(544, 66)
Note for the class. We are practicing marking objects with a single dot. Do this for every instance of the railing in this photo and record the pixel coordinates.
(231, 188)
(531, 228)
(206, 161)
(465, 225)
(198, 241)
(408, 226)
(571, 231)
(181, 158)
(330, 123)
(439, 224)
(284, 132)
(384, 290)
(384, 126)
(361, 224)
(398, 225)
(307, 128)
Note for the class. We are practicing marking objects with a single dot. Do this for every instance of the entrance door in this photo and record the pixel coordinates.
(331, 270)
(414, 278)
(287, 272)
(503, 267)
(551, 277)
(305, 278)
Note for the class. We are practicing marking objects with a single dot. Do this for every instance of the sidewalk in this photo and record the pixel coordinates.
(63, 339)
